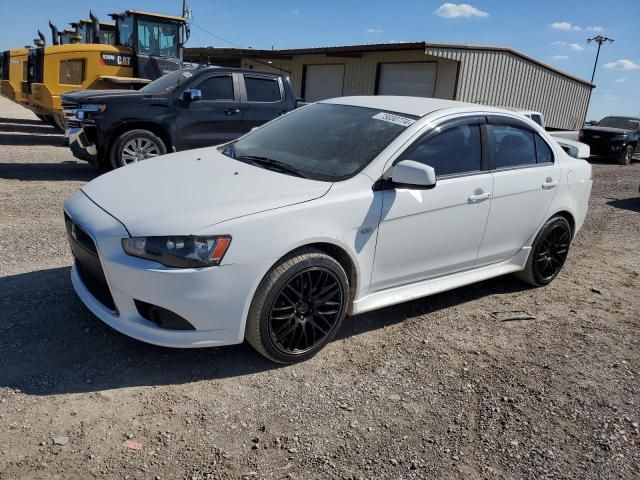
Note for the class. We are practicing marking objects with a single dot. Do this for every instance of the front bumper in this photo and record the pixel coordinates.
(605, 148)
(80, 145)
(215, 301)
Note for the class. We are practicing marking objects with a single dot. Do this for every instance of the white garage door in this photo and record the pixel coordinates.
(323, 81)
(412, 79)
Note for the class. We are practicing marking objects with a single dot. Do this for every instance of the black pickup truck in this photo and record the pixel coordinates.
(617, 137)
(182, 110)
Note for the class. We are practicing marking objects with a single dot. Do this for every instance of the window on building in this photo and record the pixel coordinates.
(262, 89)
(454, 151)
(512, 146)
(217, 88)
(71, 72)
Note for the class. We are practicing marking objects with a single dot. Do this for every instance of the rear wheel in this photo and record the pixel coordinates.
(134, 146)
(548, 253)
(626, 155)
(298, 307)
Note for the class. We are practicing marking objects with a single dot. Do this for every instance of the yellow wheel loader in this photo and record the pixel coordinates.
(138, 48)
(147, 45)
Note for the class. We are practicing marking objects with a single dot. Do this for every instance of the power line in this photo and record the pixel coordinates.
(216, 36)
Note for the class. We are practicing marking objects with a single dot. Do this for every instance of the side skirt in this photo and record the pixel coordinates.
(424, 288)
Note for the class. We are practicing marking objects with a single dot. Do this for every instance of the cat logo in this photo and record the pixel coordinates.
(116, 60)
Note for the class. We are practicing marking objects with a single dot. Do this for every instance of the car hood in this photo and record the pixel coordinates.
(597, 129)
(181, 193)
(87, 96)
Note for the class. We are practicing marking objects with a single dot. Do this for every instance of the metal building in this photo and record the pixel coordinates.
(496, 76)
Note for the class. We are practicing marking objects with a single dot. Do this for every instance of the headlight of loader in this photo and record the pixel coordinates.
(179, 252)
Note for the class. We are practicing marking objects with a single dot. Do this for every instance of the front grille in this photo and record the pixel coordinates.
(88, 264)
(69, 109)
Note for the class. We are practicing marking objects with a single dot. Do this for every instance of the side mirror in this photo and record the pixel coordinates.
(412, 174)
(191, 95)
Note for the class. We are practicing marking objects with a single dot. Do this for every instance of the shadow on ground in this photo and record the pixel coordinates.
(18, 139)
(80, 171)
(52, 344)
(632, 204)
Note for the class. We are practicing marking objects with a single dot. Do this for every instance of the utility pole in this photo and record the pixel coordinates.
(599, 40)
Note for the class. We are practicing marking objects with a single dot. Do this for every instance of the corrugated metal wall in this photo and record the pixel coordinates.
(360, 72)
(500, 78)
(491, 77)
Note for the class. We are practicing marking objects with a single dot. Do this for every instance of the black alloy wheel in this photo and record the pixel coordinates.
(306, 310)
(551, 253)
(298, 307)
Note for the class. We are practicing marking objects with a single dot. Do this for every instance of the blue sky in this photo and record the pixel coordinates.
(552, 31)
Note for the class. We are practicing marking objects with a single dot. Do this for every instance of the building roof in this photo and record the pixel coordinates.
(354, 50)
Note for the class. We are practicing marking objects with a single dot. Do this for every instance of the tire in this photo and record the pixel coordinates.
(298, 307)
(625, 156)
(550, 249)
(134, 146)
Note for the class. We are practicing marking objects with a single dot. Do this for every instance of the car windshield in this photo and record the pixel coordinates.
(322, 141)
(168, 82)
(618, 122)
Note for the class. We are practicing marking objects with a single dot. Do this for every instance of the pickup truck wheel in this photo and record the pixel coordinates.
(134, 146)
(625, 155)
(298, 307)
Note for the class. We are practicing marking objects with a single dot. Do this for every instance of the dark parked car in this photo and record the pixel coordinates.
(182, 110)
(613, 137)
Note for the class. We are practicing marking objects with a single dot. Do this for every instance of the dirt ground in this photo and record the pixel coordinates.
(433, 389)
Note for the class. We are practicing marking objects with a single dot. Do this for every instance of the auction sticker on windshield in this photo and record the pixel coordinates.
(392, 118)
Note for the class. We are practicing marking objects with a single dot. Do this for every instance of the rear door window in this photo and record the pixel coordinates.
(262, 89)
(512, 146)
(543, 152)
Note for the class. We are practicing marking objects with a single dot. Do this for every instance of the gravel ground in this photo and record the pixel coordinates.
(434, 388)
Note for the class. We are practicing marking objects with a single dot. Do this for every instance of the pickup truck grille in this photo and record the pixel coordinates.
(69, 110)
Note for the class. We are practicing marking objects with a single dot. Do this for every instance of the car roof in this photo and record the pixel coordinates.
(637, 119)
(416, 106)
(211, 68)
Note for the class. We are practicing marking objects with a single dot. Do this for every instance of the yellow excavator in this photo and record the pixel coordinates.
(143, 47)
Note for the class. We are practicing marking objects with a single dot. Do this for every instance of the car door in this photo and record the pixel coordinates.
(429, 233)
(215, 118)
(525, 180)
(263, 99)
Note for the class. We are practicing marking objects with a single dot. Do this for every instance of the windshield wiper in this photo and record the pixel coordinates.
(271, 164)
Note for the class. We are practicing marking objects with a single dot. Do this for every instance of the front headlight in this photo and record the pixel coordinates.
(93, 107)
(179, 252)
(622, 136)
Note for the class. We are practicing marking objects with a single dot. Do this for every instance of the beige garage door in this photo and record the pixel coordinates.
(412, 79)
(323, 81)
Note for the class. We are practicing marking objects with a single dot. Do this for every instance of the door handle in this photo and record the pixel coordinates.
(479, 197)
(232, 111)
(549, 184)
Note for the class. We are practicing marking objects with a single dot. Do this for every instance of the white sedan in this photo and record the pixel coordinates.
(340, 207)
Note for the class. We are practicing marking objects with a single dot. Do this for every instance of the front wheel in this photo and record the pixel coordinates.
(548, 253)
(298, 307)
(134, 146)
(626, 155)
